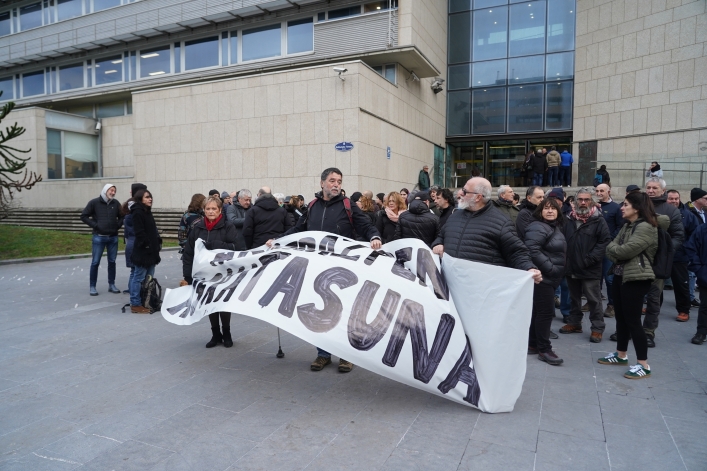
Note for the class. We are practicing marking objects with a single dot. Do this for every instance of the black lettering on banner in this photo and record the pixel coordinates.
(463, 372)
(308, 244)
(402, 256)
(327, 244)
(230, 289)
(222, 257)
(289, 282)
(411, 318)
(426, 266)
(265, 260)
(209, 296)
(189, 304)
(362, 335)
(345, 253)
(373, 256)
(323, 320)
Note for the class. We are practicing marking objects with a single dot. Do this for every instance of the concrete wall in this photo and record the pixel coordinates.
(641, 82)
(424, 24)
(117, 144)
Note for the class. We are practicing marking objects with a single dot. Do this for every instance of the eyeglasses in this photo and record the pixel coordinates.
(584, 200)
(466, 192)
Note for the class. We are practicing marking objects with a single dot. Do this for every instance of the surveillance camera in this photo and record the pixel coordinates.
(436, 85)
(340, 70)
(98, 125)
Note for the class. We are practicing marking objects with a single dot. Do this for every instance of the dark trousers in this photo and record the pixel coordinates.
(553, 176)
(543, 312)
(566, 175)
(702, 312)
(225, 321)
(654, 301)
(681, 286)
(538, 179)
(608, 279)
(592, 290)
(628, 304)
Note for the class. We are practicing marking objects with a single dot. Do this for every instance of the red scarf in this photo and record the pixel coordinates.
(210, 225)
(583, 218)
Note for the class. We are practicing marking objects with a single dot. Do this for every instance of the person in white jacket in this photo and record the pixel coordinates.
(654, 171)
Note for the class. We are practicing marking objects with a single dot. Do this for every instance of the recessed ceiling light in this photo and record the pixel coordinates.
(119, 61)
(147, 56)
(110, 71)
(157, 73)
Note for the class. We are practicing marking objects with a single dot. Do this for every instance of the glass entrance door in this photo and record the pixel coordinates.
(505, 161)
(468, 159)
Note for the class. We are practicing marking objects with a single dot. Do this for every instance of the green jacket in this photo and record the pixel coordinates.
(641, 239)
(509, 209)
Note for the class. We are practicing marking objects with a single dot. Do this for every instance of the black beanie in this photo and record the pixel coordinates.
(135, 187)
(697, 193)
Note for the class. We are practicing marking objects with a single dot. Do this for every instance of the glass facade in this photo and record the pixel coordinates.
(511, 66)
(71, 155)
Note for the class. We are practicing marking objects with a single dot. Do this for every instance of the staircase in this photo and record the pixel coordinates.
(69, 220)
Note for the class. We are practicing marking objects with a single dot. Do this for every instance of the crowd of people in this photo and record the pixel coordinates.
(570, 244)
(543, 168)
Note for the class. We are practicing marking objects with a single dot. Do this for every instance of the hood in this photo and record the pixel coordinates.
(501, 202)
(525, 204)
(268, 203)
(418, 207)
(660, 199)
(104, 195)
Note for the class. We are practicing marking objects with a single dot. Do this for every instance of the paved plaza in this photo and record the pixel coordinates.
(86, 387)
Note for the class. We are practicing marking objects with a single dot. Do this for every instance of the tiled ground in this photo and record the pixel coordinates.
(83, 386)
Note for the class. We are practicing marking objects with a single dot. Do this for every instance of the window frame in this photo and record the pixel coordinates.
(99, 155)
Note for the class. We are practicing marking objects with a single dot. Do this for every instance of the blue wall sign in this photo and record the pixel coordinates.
(343, 146)
(388, 153)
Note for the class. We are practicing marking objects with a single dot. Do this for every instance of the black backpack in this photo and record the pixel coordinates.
(150, 295)
(662, 262)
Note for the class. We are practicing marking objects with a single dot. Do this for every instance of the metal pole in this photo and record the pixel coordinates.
(279, 347)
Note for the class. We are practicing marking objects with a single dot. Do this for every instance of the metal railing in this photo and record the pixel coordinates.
(682, 171)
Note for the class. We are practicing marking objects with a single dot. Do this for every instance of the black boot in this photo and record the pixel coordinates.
(227, 340)
(216, 338)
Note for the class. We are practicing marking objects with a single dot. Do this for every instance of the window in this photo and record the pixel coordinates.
(7, 89)
(488, 3)
(30, 16)
(344, 12)
(177, 58)
(387, 71)
(379, 6)
(70, 77)
(458, 112)
(459, 44)
(525, 108)
(488, 113)
(234, 47)
(155, 62)
(300, 36)
(109, 110)
(263, 42)
(109, 70)
(5, 24)
(560, 66)
(558, 106)
(84, 110)
(527, 32)
(490, 73)
(459, 5)
(71, 154)
(526, 69)
(490, 33)
(560, 25)
(33, 84)
(459, 76)
(201, 53)
(99, 5)
(68, 9)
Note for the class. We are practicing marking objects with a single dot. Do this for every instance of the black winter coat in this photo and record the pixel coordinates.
(148, 243)
(104, 218)
(418, 223)
(690, 223)
(293, 214)
(538, 163)
(330, 216)
(613, 217)
(485, 236)
(676, 229)
(266, 220)
(129, 238)
(222, 236)
(444, 215)
(586, 247)
(525, 217)
(235, 214)
(548, 250)
(386, 227)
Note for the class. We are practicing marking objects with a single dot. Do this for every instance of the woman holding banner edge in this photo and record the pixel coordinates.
(548, 250)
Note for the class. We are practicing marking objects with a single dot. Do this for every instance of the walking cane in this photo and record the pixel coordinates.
(279, 347)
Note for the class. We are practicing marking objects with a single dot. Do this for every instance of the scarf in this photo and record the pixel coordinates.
(656, 168)
(210, 225)
(392, 216)
(585, 217)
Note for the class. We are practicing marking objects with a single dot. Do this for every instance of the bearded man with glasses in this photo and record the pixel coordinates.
(480, 232)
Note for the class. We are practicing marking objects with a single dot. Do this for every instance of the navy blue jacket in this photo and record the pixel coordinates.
(690, 222)
(696, 250)
(613, 217)
(129, 236)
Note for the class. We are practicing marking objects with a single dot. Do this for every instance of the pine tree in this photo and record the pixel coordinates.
(13, 174)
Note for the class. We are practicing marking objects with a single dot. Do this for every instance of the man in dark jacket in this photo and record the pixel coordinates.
(614, 219)
(655, 189)
(696, 250)
(102, 214)
(423, 179)
(235, 213)
(533, 196)
(329, 213)
(680, 274)
(266, 220)
(539, 166)
(698, 204)
(504, 203)
(418, 222)
(587, 236)
(481, 233)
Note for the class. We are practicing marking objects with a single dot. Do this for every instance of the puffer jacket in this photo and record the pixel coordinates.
(675, 230)
(418, 223)
(638, 249)
(586, 246)
(548, 250)
(538, 163)
(485, 236)
(148, 243)
(554, 159)
(129, 237)
(525, 217)
(104, 218)
(235, 214)
(222, 236)
(292, 214)
(385, 226)
(444, 215)
(690, 223)
(507, 208)
(696, 250)
(266, 220)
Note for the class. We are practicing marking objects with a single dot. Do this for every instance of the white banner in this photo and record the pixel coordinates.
(389, 311)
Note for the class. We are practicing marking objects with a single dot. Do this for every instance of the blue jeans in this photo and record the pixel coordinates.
(565, 175)
(130, 278)
(100, 243)
(552, 175)
(608, 279)
(538, 179)
(139, 275)
(323, 353)
(693, 278)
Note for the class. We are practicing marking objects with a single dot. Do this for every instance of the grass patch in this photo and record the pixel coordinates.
(30, 242)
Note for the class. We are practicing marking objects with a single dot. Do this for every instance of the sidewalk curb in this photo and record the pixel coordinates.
(65, 257)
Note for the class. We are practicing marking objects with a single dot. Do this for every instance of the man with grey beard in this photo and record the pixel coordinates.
(587, 236)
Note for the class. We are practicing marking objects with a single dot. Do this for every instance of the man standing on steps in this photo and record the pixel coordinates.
(655, 189)
(333, 212)
(423, 179)
(612, 215)
(553, 167)
(102, 214)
